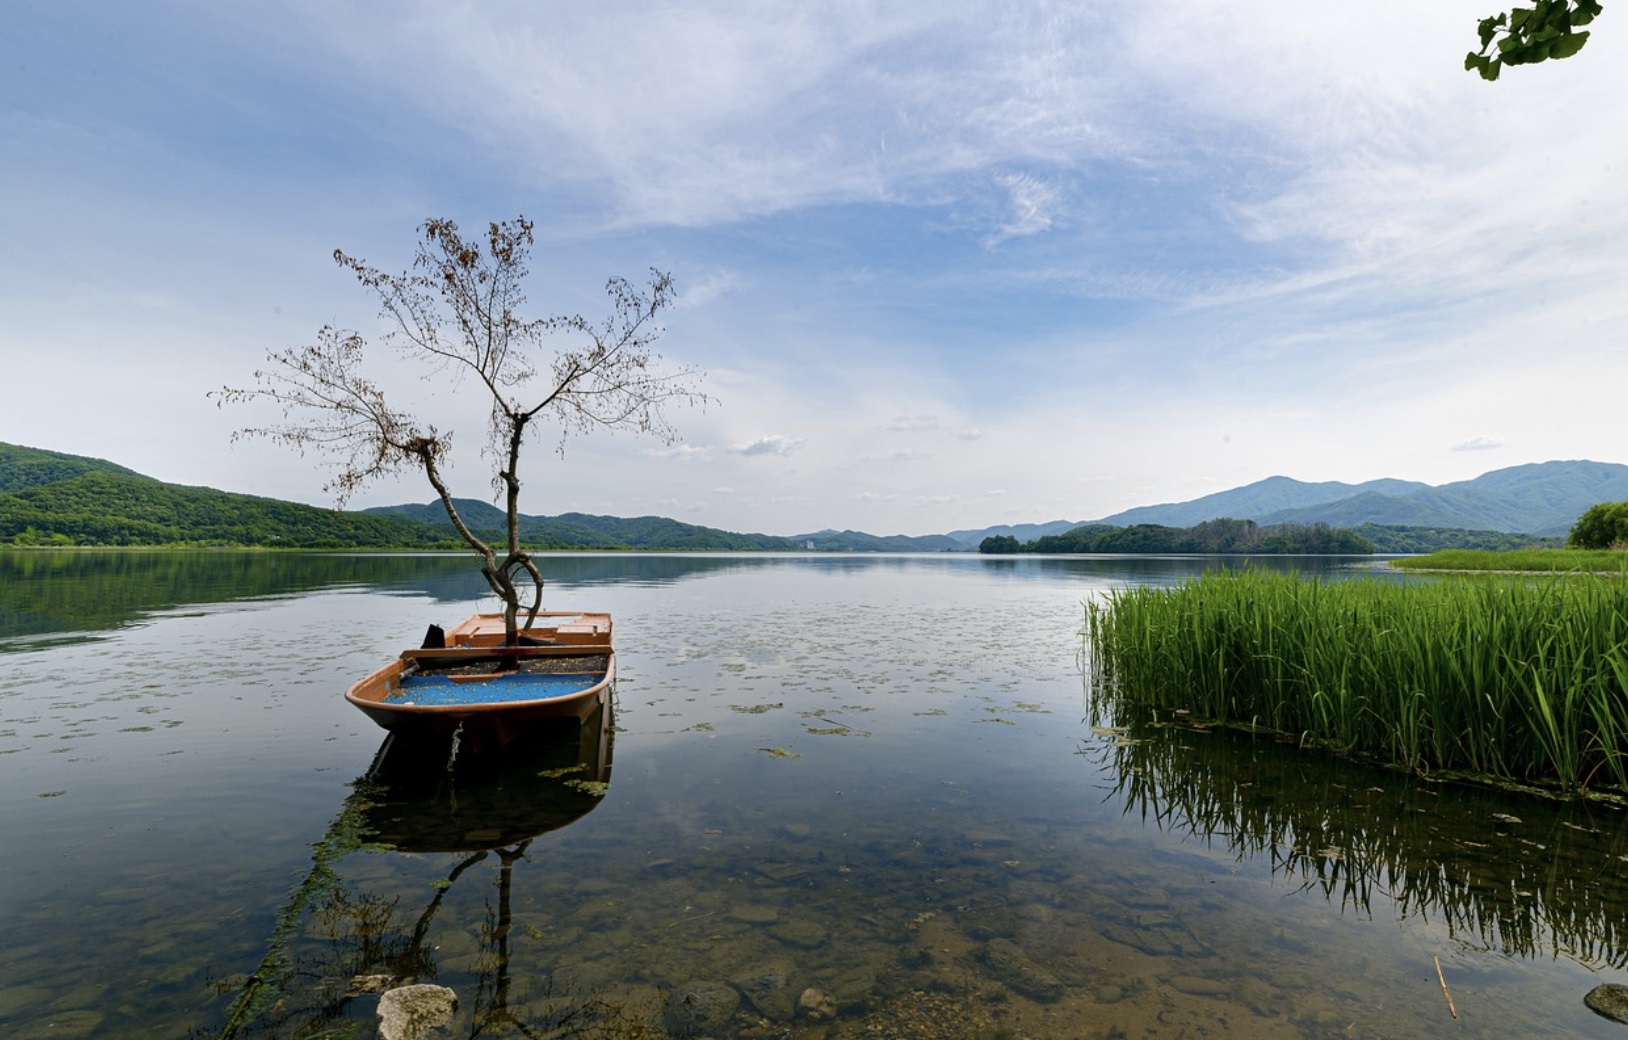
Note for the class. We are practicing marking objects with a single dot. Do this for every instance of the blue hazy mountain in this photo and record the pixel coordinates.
(858, 541)
(1022, 532)
(1543, 498)
(1258, 500)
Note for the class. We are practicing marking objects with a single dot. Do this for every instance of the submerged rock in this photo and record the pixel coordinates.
(754, 913)
(769, 993)
(816, 1005)
(701, 1009)
(1009, 964)
(855, 991)
(802, 934)
(84, 1022)
(1198, 986)
(370, 984)
(409, 1012)
(1609, 1001)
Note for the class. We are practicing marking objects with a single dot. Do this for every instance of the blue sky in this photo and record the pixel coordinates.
(945, 265)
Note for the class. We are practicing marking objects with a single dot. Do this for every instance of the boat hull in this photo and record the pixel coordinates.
(557, 774)
(489, 693)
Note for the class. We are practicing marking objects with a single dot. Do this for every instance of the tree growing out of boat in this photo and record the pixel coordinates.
(458, 312)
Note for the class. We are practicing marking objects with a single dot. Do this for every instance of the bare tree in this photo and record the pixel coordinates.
(458, 311)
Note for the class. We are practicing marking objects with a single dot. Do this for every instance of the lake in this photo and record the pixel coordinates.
(839, 796)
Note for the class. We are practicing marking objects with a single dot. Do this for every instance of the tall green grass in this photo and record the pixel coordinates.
(1544, 561)
(1514, 679)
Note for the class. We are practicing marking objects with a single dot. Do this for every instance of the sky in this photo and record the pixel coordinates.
(944, 265)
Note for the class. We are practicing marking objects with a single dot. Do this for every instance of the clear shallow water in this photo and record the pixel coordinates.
(869, 776)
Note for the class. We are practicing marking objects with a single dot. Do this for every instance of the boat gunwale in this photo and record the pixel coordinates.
(369, 693)
(481, 638)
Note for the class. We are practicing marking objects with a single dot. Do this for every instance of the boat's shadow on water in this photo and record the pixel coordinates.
(337, 944)
(424, 795)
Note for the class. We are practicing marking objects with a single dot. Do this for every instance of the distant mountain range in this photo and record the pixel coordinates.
(1543, 499)
(49, 497)
(1022, 532)
(52, 498)
(580, 530)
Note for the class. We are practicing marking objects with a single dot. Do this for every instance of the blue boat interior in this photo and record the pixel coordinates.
(441, 690)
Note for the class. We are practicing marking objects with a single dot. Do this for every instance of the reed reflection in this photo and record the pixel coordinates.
(342, 938)
(1520, 876)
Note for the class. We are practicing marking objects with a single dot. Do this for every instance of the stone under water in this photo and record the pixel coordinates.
(1610, 1001)
(409, 1012)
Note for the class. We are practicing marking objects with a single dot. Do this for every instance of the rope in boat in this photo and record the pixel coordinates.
(457, 735)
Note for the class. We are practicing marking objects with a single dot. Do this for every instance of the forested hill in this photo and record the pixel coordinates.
(31, 467)
(1212, 536)
(583, 530)
(50, 498)
(586, 530)
(100, 507)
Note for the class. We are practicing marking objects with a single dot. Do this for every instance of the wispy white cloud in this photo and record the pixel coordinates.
(681, 452)
(1485, 443)
(775, 444)
(1032, 206)
(707, 287)
(760, 109)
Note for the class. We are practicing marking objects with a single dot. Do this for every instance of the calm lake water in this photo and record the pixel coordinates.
(874, 778)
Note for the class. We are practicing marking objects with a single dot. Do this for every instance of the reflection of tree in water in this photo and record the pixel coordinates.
(42, 593)
(1521, 876)
(337, 941)
(370, 947)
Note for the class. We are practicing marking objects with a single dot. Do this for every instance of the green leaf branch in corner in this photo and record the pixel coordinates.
(1528, 35)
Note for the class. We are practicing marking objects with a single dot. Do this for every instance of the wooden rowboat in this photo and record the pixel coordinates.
(488, 693)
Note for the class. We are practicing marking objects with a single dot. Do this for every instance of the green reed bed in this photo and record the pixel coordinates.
(1542, 561)
(1513, 679)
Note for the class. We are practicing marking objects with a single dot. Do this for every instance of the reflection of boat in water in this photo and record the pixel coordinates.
(555, 775)
(414, 800)
(487, 692)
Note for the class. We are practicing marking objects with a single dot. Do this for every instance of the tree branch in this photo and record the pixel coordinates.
(457, 308)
